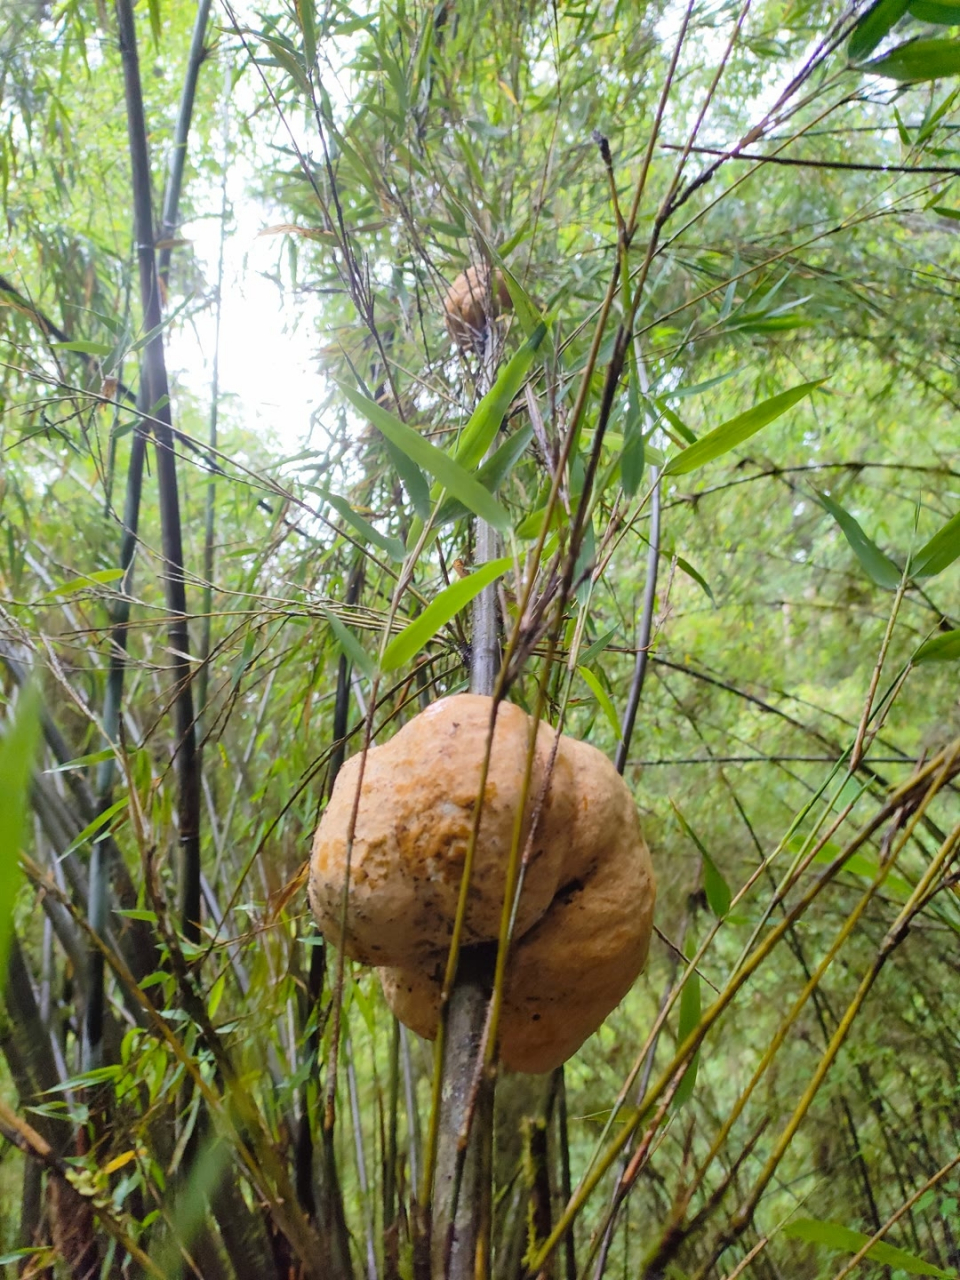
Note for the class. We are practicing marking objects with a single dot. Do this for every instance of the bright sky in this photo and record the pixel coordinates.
(267, 365)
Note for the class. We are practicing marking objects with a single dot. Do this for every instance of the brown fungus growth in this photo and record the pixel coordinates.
(469, 300)
(586, 909)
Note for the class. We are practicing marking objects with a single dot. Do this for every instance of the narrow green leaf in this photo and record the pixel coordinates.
(414, 481)
(481, 431)
(525, 307)
(350, 645)
(697, 576)
(153, 7)
(82, 762)
(85, 348)
(632, 458)
(99, 822)
(598, 646)
(530, 526)
(873, 26)
(714, 885)
(698, 388)
(918, 60)
(583, 569)
(876, 563)
(433, 460)
(689, 1020)
(678, 424)
(493, 472)
(307, 19)
(727, 436)
(942, 648)
(942, 549)
(18, 748)
(392, 546)
(601, 695)
(439, 612)
(944, 15)
(239, 668)
(101, 578)
(846, 1240)
(286, 57)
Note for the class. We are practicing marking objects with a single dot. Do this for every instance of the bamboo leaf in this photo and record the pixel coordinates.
(439, 612)
(697, 576)
(481, 430)
(632, 458)
(99, 822)
(598, 646)
(350, 645)
(918, 60)
(876, 563)
(873, 26)
(601, 695)
(101, 578)
(942, 648)
(393, 547)
(689, 1020)
(525, 307)
(846, 1240)
(307, 20)
(17, 750)
(493, 472)
(414, 481)
(434, 461)
(85, 348)
(156, 25)
(942, 549)
(714, 885)
(945, 15)
(727, 436)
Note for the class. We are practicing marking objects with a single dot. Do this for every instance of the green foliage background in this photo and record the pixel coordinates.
(397, 143)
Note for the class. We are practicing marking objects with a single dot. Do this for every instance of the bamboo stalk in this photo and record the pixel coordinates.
(461, 1195)
(158, 400)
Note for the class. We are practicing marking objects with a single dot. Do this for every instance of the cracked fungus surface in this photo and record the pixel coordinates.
(585, 914)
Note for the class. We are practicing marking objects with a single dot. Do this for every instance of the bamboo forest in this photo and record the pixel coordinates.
(479, 639)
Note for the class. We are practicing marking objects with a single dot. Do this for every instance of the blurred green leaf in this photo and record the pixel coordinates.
(307, 20)
(598, 646)
(439, 612)
(940, 552)
(697, 576)
(434, 461)
(350, 645)
(878, 566)
(715, 887)
(86, 348)
(485, 421)
(493, 472)
(873, 26)
(689, 1020)
(918, 60)
(946, 15)
(727, 436)
(392, 546)
(601, 695)
(632, 458)
(101, 578)
(414, 481)
(942, 648)
(18, 748)
(845, 1240)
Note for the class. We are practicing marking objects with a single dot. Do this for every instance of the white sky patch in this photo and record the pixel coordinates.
(269, 382)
